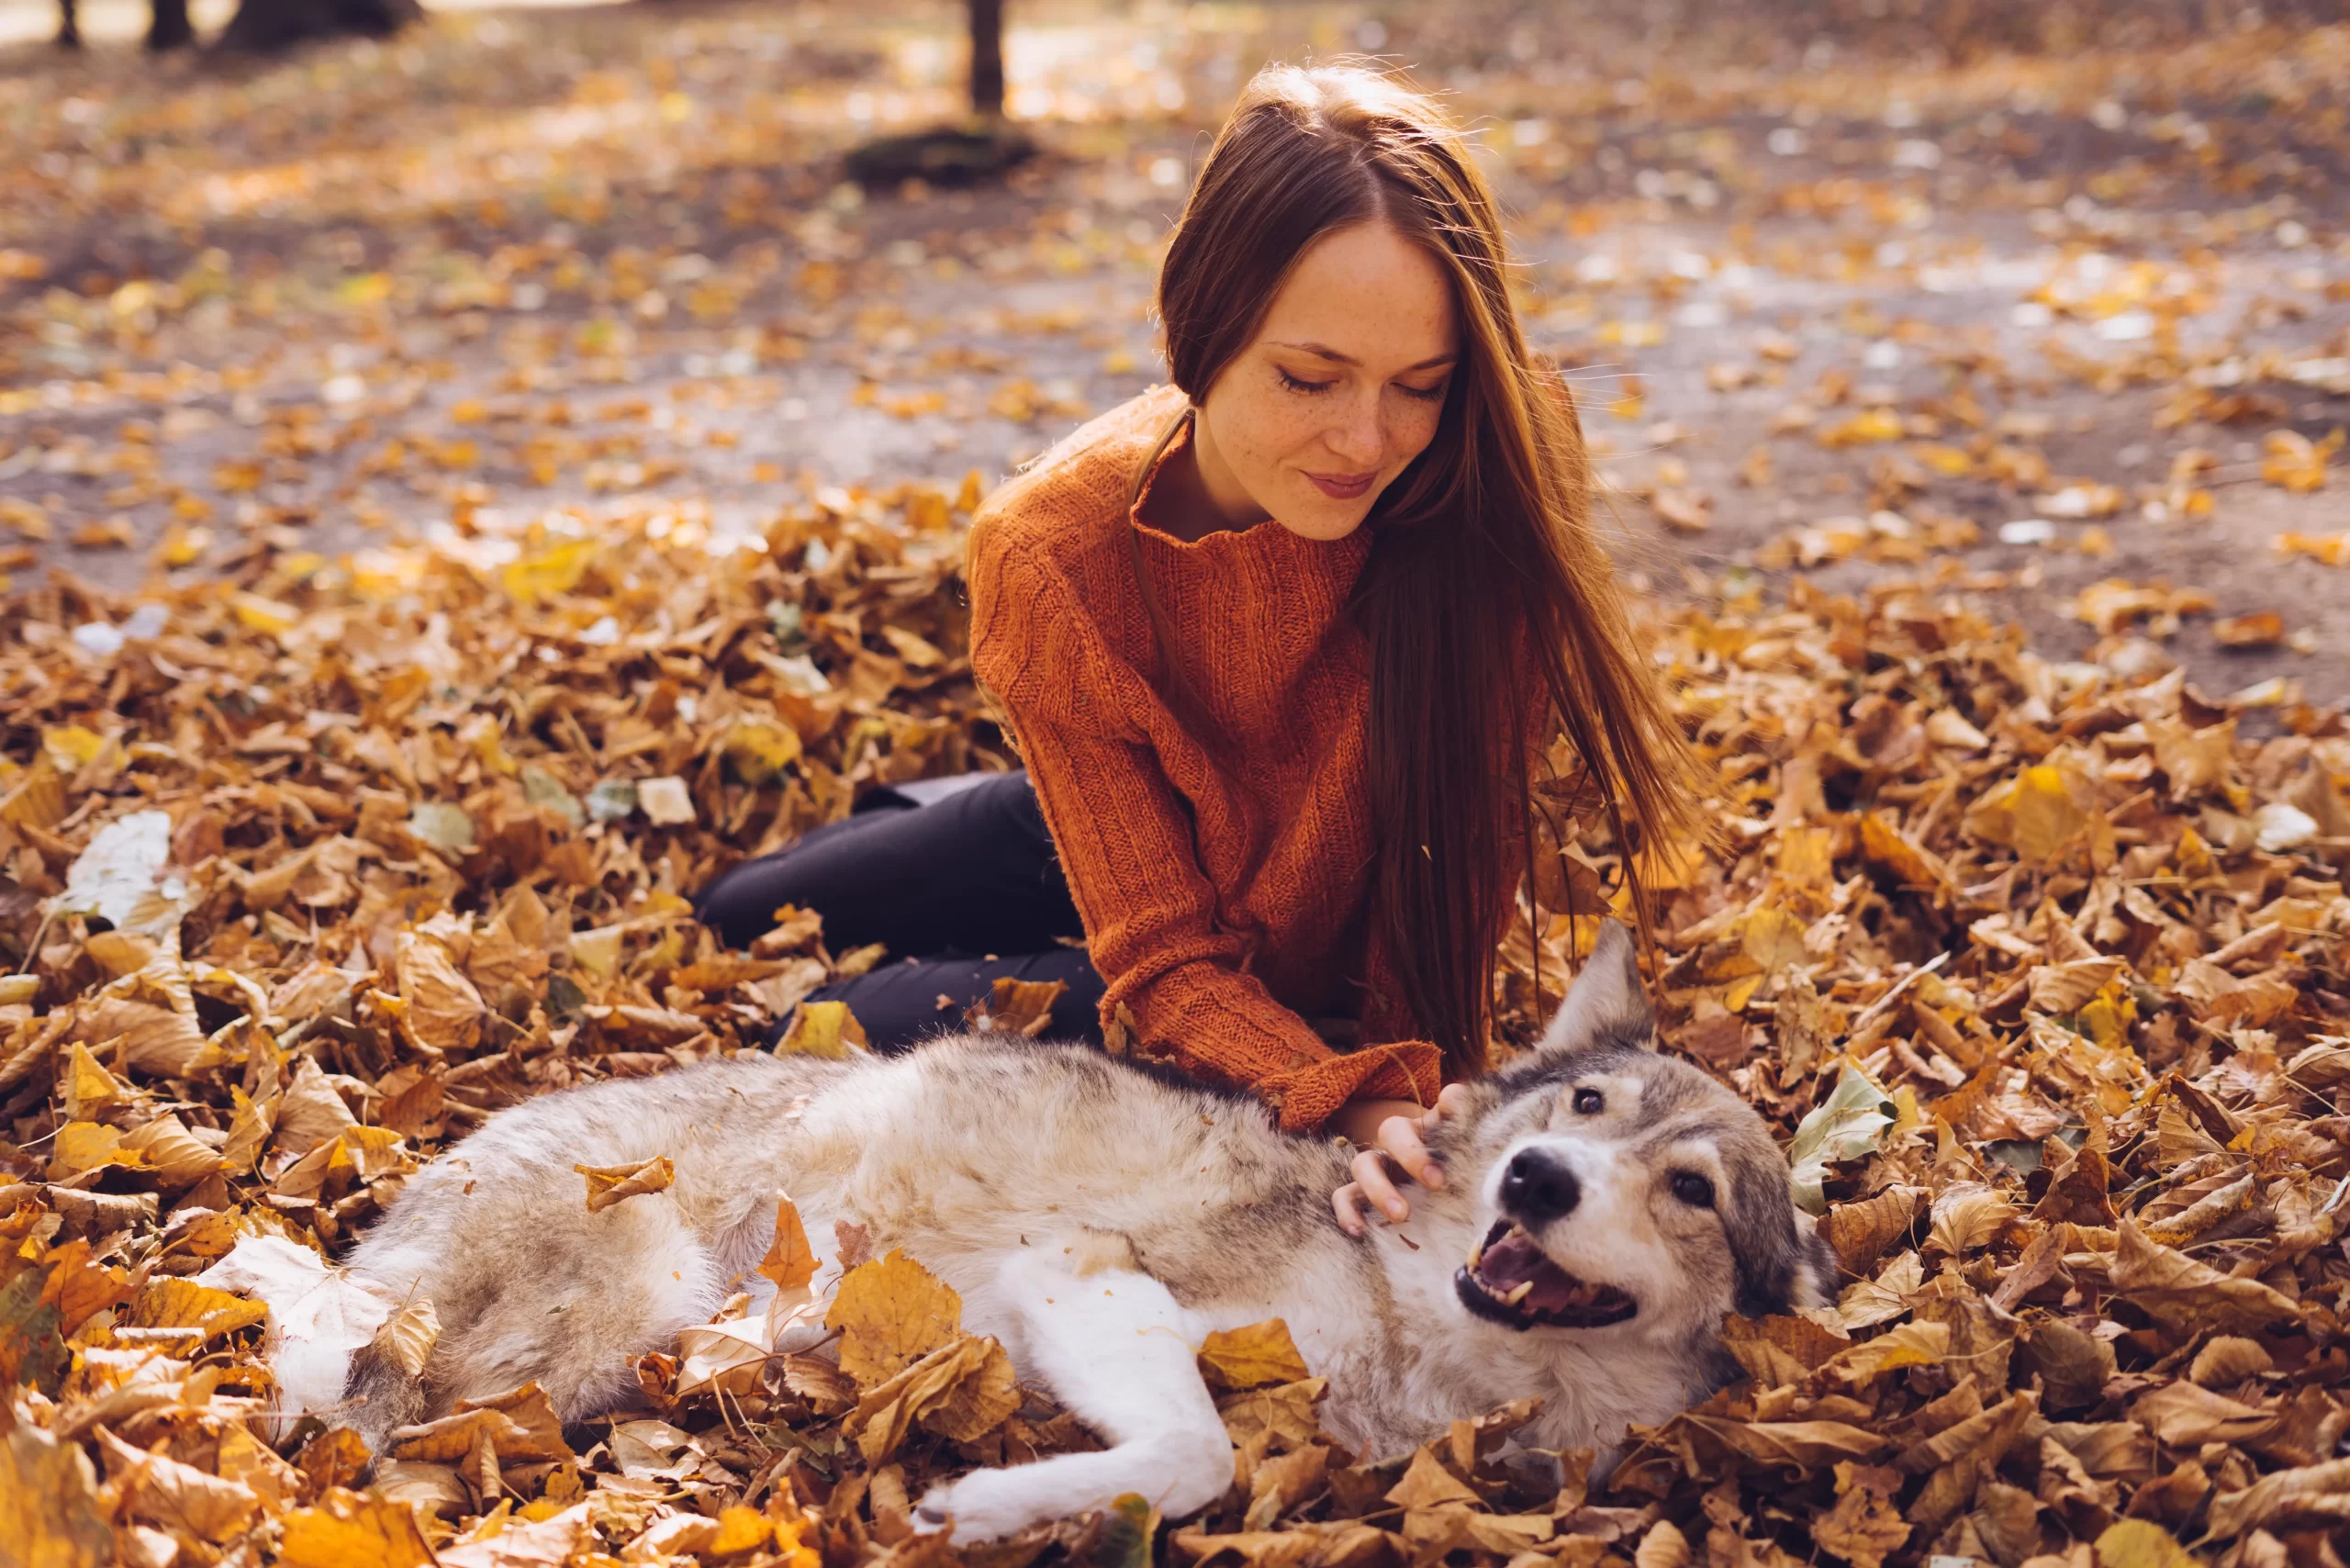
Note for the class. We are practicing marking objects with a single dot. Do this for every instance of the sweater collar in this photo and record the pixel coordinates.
(1266, 545)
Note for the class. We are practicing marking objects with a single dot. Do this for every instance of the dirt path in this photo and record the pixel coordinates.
(2019, 327)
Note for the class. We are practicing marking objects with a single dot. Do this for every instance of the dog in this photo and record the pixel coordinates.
(1605, 1206)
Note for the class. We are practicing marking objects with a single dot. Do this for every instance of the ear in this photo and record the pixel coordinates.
(1607, 999)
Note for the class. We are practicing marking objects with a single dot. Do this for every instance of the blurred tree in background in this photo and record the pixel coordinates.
(264, 26)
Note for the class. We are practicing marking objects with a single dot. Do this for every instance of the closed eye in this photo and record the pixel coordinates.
(1693, 1189)
(1296, 385)
(1425, 394)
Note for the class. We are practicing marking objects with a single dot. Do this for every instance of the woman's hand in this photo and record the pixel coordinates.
(1398, 1141)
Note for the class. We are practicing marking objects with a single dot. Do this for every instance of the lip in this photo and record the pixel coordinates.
(1547, 1296)
(1344, 486)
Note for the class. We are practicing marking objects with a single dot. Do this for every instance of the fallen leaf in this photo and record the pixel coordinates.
(890, 1313)
(1252, 1357)
(610, 1184)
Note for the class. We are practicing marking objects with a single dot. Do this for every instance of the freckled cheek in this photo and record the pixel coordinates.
(1409, 436)
(1262, 433)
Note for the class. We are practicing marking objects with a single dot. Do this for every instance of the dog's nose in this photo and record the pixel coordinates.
(1537, 1187)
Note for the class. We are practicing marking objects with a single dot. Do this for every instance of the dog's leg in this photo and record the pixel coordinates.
(1115, 1347)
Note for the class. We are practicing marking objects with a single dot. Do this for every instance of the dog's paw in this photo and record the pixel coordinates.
(989, 1505)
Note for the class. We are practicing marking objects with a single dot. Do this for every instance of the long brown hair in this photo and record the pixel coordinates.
(1482, 559)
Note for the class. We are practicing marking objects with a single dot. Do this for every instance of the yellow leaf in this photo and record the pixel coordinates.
(2141, 1543)
(791, 1262)
(1886, 844)
(761, 749)
(183, 1303)
(1773, 939)
(365, 288)
(740, 1529)
(1870, 425)
(258, 614)
(71, 746)
(1253, 1356)
(48, 1507)
(86, 1146)
(548, 572)
(826, 1029)
(2293, 461)
(1950, 462)
(892, 1313)
(2033, 813)
(88, 1086)
(348, 1531)
(610, 1184)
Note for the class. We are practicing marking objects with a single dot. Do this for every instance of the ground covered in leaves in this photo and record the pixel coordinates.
(2031, 947)
(2037, 966)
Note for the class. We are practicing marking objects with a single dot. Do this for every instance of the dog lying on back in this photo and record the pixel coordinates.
(1608, 1206)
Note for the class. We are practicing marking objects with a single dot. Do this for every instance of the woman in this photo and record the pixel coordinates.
(1280, 646)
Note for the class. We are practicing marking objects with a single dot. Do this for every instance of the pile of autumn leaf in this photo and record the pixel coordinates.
(2036, 967)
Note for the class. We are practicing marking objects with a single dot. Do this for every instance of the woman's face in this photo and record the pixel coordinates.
(1340, 390)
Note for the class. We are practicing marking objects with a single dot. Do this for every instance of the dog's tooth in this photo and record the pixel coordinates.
(1525, 1288)
(1477, 1256)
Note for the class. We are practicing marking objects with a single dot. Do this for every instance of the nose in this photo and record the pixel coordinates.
(1355, 438)
(1537, 1187)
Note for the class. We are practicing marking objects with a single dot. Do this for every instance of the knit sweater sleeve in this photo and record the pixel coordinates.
(1124, 832)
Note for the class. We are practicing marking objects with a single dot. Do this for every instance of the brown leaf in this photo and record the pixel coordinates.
(407, 1337)
(1018, 1006)
(444, 1011)
(2062, 988)
(1283, 1415)
(610, 1184)
(2315, 1494)
(2184, 1416)
(309, 1112)
(1865, 1526)
(165, 1492)
(2185, 1296)
(1780, 1350)
(1427, 1485)
(1859, 1232)
(964, 1385)
(1805, 1444)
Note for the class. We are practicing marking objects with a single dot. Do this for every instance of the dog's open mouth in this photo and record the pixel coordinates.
(1509, 1280)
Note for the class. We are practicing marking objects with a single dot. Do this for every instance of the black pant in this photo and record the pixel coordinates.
(943, 873)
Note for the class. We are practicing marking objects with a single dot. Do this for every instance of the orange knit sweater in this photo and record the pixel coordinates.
(1222, 870)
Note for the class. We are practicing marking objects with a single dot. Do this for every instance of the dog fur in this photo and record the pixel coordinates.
(1080, 1207)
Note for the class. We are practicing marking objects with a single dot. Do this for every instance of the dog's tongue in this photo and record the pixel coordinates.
(1514, 1259)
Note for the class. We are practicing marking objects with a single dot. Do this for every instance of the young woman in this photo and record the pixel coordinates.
(1281, 645)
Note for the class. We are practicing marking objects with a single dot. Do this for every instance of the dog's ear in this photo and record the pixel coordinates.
(1607, 1000)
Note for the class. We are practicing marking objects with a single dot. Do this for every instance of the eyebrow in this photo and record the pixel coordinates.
(1349, 359)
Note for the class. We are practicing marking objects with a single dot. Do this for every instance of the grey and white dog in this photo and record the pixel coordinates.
(1607, 1206)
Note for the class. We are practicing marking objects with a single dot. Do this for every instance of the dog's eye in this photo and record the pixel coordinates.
(1693, 1189)
(1589, 1103)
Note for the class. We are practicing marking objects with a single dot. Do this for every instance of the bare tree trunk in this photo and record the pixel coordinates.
(265, 26)
(987, 57)
(167, 26)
